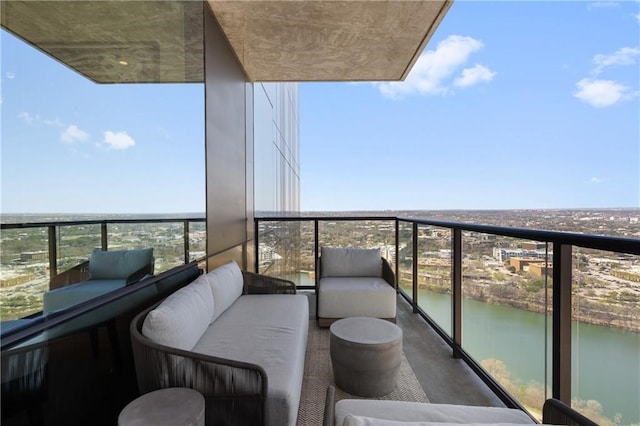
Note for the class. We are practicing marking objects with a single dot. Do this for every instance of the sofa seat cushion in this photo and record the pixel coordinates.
(270, 331)
(64, 297)
(350, 262)
(402, 411)
(356, 296)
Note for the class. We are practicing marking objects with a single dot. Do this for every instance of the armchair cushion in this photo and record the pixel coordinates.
(181, 319)
(350, 262)
(119, 264)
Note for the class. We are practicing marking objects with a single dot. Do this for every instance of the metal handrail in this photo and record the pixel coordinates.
(52, 227)
(22, 225)
(562, 260)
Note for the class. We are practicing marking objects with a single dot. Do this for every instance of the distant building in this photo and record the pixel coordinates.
(389, 253)
(267, 254)
(533, 245)
(531, 265)
(626, 275)
(33, 255)
(540, 269)
(504, 254)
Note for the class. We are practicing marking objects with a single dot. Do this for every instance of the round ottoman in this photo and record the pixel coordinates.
(165, 407)
(365, 354)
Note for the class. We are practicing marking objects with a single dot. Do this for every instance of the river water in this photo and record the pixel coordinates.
(606, 361)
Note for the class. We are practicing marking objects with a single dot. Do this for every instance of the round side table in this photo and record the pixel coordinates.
(366, 354)
(165, 407)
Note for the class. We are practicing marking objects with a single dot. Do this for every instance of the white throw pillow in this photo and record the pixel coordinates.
(181, 319)
(226, 286)
(350, 262)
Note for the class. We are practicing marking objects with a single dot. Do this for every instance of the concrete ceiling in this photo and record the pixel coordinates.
(125, 41)
(115, 41)
(328, 40)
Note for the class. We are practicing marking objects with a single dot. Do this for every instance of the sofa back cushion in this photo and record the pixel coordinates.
(181, 319)
(350, 262)
(226, 283)
(118, 264)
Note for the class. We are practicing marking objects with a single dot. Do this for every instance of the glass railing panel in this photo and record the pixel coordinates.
(166, 239)
(606, 336)
(197, 240)
(75, 243)
(286, 250)
(506, 292)
(361, 234)
(24, 255)
(434, 274)
(405, 258)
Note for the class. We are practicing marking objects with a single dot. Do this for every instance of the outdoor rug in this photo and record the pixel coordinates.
(318, 375)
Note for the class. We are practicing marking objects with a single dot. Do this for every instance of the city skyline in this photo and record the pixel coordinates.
(512, 105)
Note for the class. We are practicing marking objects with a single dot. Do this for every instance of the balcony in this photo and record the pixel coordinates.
(471, 309)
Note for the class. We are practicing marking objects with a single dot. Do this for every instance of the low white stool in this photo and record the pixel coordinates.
(165, 407)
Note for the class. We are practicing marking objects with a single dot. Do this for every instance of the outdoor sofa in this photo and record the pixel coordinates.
(237, 337)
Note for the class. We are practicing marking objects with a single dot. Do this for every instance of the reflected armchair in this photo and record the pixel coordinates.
(107, 271)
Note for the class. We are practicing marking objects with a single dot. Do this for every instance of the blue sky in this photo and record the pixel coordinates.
(511, 105)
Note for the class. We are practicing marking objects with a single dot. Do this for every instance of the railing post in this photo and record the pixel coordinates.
(395, 267)
(561, 349)
(185, 235)
(414, 265)
(316, 248)
(103, 233)
(53, 252)
(256, 236)
(456, 272)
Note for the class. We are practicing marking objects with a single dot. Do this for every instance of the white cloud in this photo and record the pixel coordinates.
(596, 180)
(623, 56)
(432, 71)
(600, 93)
(10, 75)
(637, 17)
(55, 122)
(602, 4)
(73, 134)
(118, 140)
(28, 118)
(474, 75)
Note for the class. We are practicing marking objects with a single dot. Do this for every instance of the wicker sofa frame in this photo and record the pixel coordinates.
(235, 392)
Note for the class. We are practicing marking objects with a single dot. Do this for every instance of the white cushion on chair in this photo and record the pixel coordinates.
(356, 296)
(350, 262)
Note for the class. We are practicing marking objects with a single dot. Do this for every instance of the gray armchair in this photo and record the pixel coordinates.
(354, 282)
(106, 270)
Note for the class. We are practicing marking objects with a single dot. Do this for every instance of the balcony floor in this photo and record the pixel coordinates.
(444, 379)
